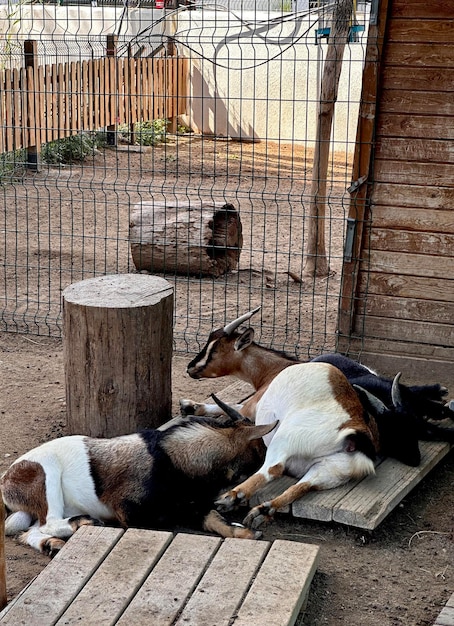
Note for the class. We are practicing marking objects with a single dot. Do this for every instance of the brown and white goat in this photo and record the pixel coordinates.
(324, 437)
(231, 350)
(153, 479)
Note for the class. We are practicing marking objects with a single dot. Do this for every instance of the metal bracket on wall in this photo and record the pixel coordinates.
(349, 239)
(357, 184)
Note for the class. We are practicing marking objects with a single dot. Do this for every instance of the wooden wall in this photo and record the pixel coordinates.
(397, 311)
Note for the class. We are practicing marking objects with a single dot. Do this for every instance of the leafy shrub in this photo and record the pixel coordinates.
(72, 149)
(146, 133)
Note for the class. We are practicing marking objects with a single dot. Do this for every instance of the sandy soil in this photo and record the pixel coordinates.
(402, 573)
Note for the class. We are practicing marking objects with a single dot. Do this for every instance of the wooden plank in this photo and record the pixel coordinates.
(423, 196)
(424, 288)
(437, 244)
(416, 55)
(425, 79)
(421, 30)
(362, 162)
(417, 104)
(223, 584)
(9, 111)
(59, 583)
(411, 264)
(365, 348)
(410, 309)
(413, 124)
(121, 574)
(167, 588)
(405, 330)
(446, 617)
(376, 496)
(73, 99)
(436, 9)
(414, 173)
(414, 149)
(281, 585)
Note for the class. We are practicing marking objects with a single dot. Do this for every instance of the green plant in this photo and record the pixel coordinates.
(72, 149)
(146, 133)
(12, 165)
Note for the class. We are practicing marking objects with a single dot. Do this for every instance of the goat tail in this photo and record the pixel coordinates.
(17, 522)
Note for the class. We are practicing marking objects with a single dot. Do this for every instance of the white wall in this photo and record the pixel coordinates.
(253, 78)
(253, 75)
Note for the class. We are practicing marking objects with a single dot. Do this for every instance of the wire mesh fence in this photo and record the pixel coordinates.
(236, 127)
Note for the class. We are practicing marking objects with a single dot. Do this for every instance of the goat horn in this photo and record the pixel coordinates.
(375, 402)
(229, 328)
(228, 410)
(396, 396)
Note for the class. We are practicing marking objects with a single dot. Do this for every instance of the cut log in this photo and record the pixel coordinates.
(202, 239)
(117, 346)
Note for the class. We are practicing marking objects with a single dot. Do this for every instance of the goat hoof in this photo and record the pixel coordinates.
(52, 546)
(188, 407)
(83, 520)
(259, 515)
(228, 502)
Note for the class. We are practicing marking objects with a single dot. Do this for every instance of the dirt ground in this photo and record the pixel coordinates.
(402, 573)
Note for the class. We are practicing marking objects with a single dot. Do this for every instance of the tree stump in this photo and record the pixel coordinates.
(117, 349)
(184, 238)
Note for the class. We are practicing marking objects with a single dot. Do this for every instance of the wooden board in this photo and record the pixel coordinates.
(42, 603)
(446, 617)
(364, 503)
(191, 579)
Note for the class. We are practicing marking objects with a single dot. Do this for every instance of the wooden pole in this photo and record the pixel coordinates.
(117, 354)
(316, 261)
(2, 557)
(111, 134)
(34, 121)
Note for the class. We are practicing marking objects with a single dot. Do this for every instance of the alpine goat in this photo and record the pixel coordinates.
(231, 350)
(152, 479)
(325, 437)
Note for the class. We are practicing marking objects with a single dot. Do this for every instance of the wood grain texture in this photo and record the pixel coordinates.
(376, 496)
(119, 577)
(280, 587)
(224, 583)
(43, 602)
(117, 354)
(172, 581)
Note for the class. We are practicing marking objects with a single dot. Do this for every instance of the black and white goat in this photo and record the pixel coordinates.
(324, 438)
(153, 479)
(231, 350)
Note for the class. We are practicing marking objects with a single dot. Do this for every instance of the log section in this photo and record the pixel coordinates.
(117, 353)
(185, 237)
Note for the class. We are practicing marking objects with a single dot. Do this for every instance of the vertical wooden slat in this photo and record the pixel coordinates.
(91, 95)
(55, 103)
(60, 101)
(74, 91)
(2, 111)
(361, 168)
(121, 91)
(132, 90)
(18, 110)
(48, 117)
(9, 136)
(96, 94)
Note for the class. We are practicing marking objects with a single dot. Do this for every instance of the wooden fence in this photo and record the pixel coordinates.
(42, 103)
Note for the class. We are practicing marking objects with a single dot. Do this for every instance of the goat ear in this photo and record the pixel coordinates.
(255, 432)
(371, 402)
(244, 340)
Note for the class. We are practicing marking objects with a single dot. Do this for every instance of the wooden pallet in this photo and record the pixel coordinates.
(106, 576)
(446, 617)
(364, 503)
